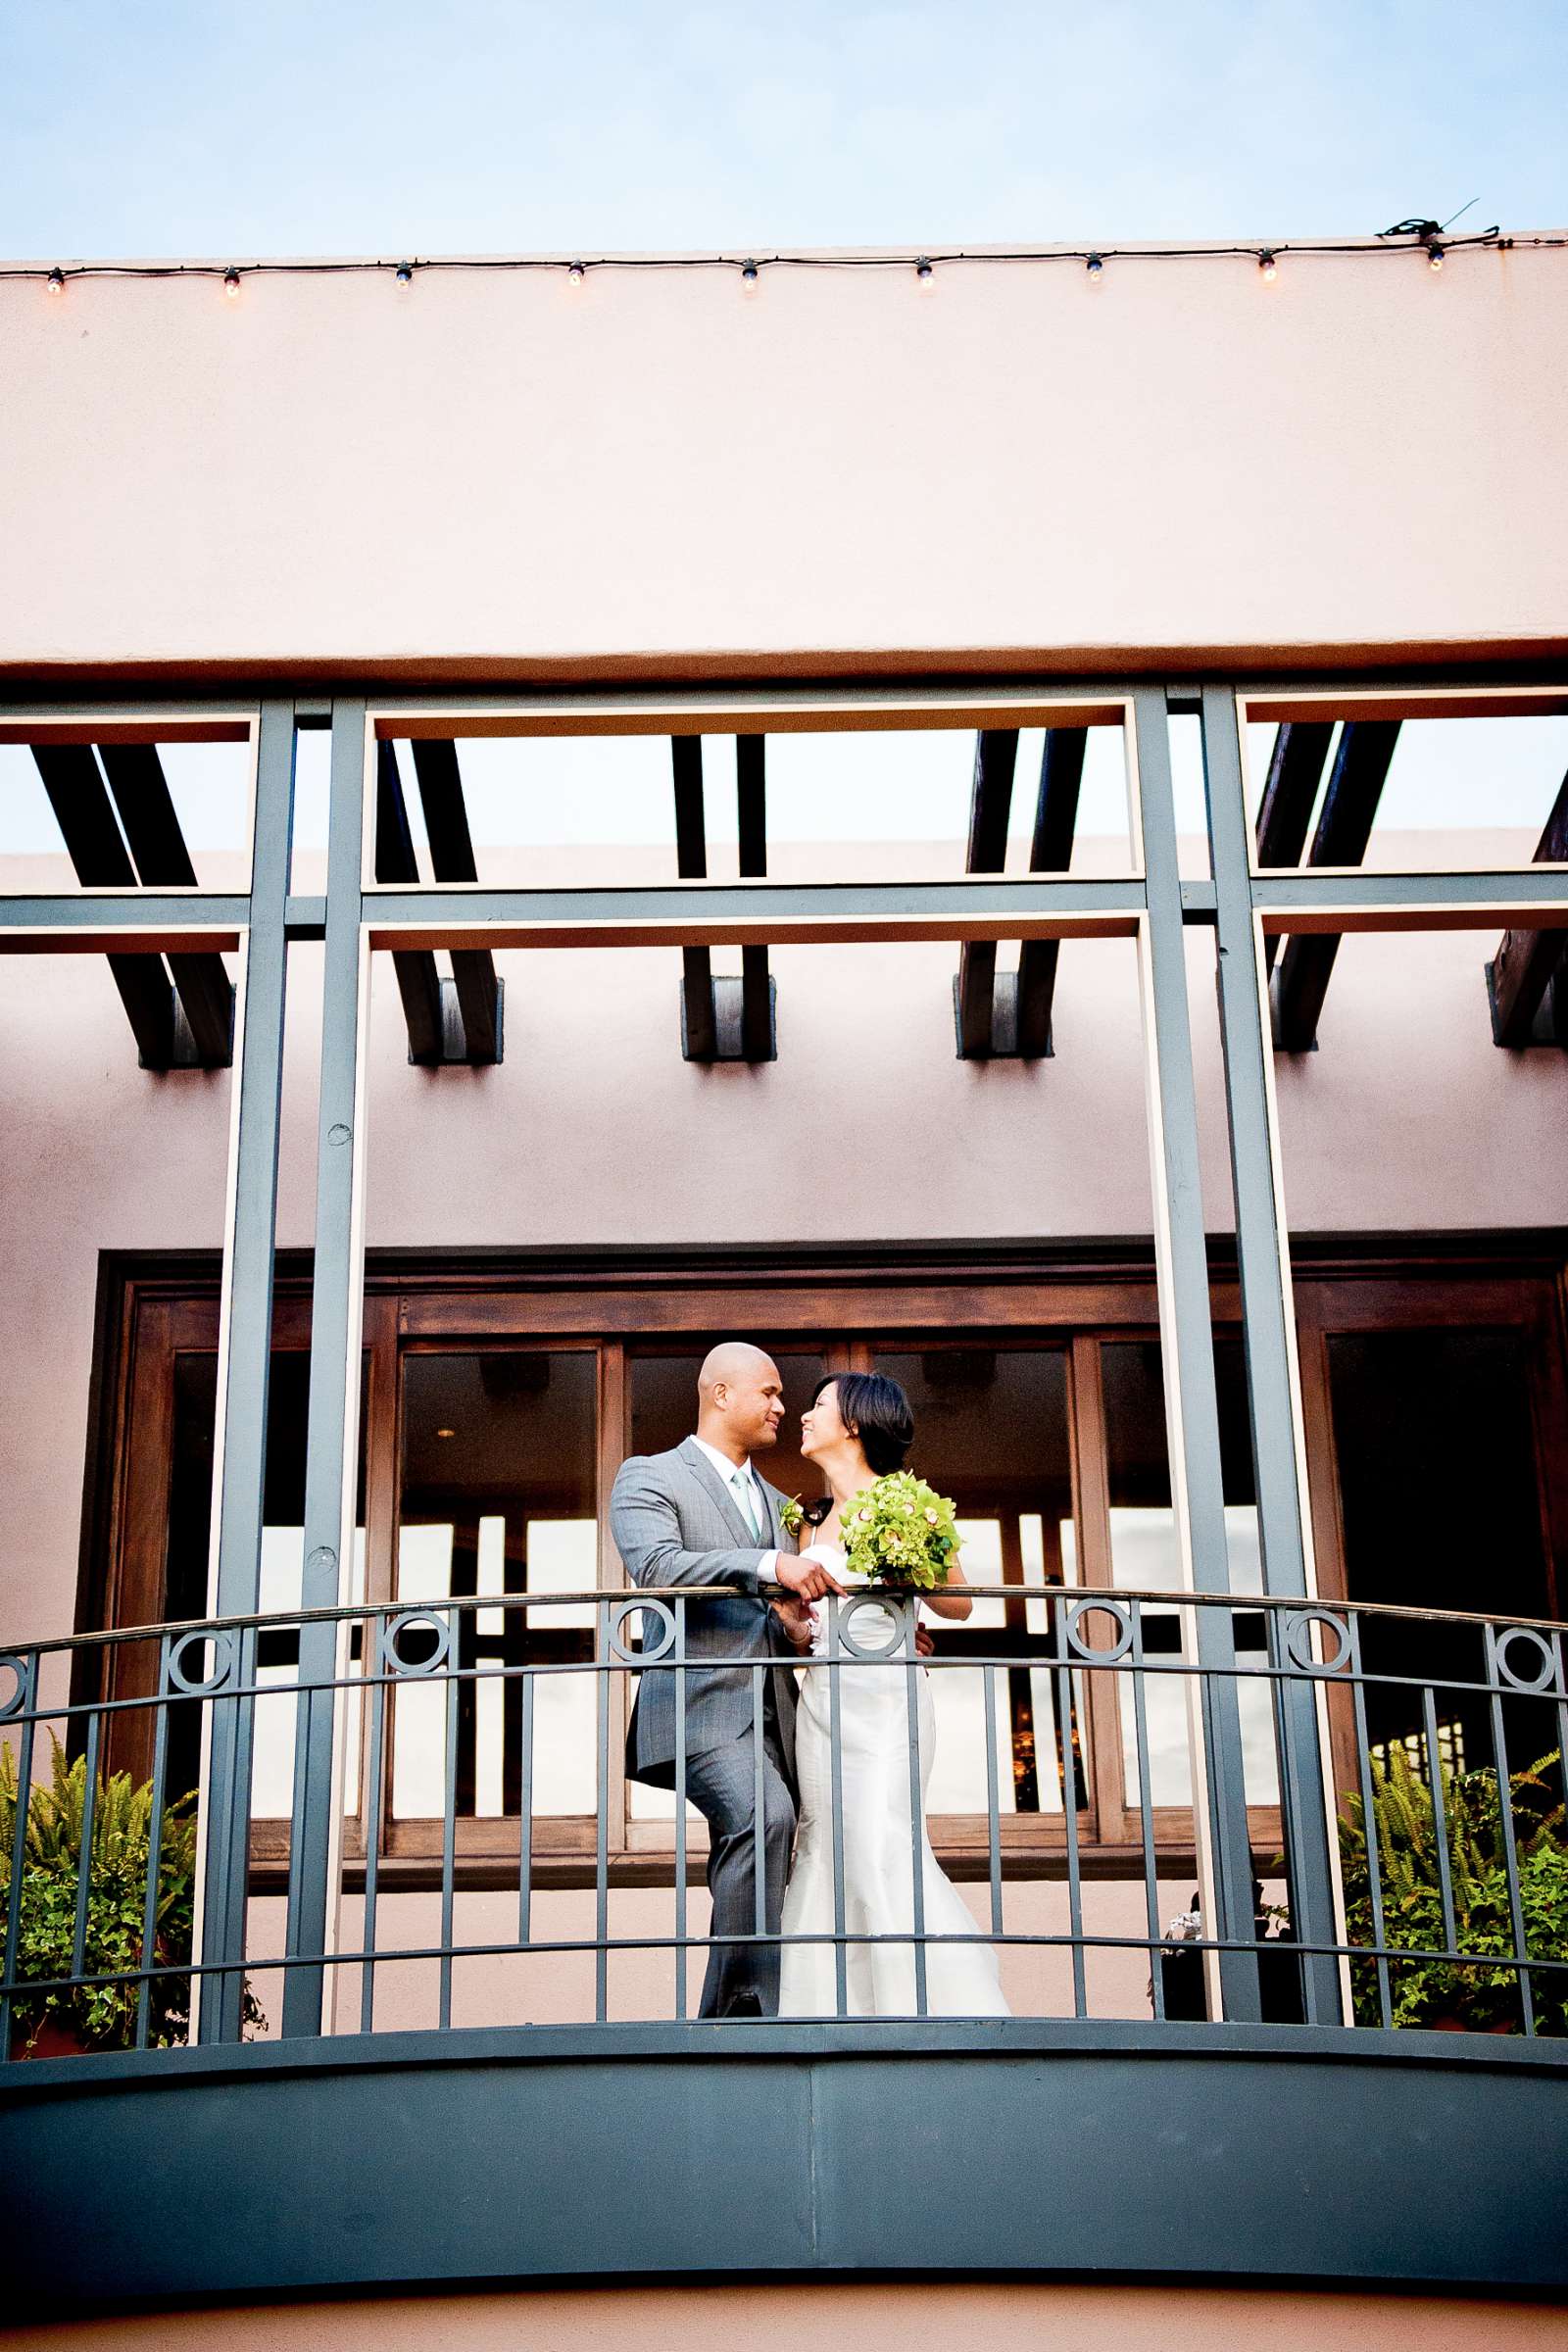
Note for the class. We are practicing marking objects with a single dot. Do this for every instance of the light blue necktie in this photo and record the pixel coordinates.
(743, 1487)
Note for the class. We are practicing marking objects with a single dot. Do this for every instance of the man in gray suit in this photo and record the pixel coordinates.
(701, 1515)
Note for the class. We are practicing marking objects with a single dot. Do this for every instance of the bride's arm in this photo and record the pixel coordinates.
(953, 1599)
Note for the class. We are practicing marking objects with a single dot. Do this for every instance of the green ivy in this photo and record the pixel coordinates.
(101, 2015)
(1475, 1991)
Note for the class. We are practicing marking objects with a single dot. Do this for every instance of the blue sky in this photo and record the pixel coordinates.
(498, 125)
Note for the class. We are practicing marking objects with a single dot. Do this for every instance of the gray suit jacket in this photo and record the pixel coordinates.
(675, 1523)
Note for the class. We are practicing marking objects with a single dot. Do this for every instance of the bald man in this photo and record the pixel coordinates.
(699, 1516)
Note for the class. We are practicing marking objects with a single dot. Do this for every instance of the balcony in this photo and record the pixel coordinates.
(1343, 2061)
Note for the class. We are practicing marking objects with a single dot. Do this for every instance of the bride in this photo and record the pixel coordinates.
(857, 1428)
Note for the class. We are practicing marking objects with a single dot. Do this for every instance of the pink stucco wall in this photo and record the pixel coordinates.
(485, 475)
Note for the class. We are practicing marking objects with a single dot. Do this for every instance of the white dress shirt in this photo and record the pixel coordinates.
(767, 1565)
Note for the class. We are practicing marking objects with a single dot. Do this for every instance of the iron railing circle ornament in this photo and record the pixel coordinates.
(1119, 1616)
(394, 1662)
(644, 1609)
(225, 1658)
(1503, 1641)
(18, 1699)
(901, 1614)
(1299, 1623)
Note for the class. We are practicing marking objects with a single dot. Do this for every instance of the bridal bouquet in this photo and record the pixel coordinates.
(900, 1532)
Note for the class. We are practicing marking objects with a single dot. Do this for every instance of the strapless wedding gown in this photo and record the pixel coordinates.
(962, 1979)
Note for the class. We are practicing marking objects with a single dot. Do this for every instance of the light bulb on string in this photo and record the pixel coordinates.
(57, 281)
(1269, 266)
(923, 271)
(1096, 268)
(405, 274)
(749, 277)
(1434, 255)
(232, 284)
(575, 273)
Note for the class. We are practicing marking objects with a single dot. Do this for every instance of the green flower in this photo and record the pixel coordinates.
(882, 1543)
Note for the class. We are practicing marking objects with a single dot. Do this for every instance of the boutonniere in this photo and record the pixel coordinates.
(790, 1517)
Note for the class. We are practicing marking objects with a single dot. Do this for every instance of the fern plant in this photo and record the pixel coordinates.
(103, 2016)
(1478, 1990)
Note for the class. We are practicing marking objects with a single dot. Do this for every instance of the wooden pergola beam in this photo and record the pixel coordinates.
(84, 814)
(452, 859)
(1529, 963)
(699, 1026)
(1289, 795)
(1061, 775)
(751, 809)
(995, 756)
(419, 982)
(152, 830)
(1344, 829)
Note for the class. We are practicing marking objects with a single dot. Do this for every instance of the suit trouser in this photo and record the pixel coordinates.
(742, 1979)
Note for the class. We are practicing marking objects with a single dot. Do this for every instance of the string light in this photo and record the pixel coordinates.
(1428, 238)
(1269, 266)
(575, 273)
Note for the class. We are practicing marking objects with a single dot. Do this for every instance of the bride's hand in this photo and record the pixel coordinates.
(796, 1618)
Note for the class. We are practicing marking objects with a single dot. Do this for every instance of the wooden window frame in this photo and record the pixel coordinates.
(152, 1309)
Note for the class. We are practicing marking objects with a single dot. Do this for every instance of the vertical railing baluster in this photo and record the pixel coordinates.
(1069, 1804)
(27, 1665)
(1134, 1653)
(680, 1805)
(448, 1810)
(992, 1800)
(841, 1951)
(1369, 1819)
(1440, 1814)
(376, 1649)
(90, 1811)
(758, 1830)
(1510, 1855)
(154, 1847)
(907, 1613)
(602, 1667)
(525, 1808)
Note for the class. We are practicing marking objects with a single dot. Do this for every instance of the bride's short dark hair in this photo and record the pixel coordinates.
(877, 1411)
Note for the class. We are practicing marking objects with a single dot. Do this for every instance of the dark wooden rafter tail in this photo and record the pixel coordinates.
(1344, 829)
(1008, 1015)
(1289, 795)
(1530, 968)
(415, 968)
(723, 1019)
(1061, 775)
(452, 859)
(150, 851)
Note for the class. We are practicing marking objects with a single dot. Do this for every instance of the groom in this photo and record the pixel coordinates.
(701, 1515)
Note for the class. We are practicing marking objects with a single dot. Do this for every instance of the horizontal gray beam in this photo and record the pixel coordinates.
(716, 915)
(1527, 895)
(89, 922)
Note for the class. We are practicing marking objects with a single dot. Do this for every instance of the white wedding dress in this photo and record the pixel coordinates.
(962, 1979)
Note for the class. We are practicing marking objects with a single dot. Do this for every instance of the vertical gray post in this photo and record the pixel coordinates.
(332, 1441)
(1263, 1256)
(1188, 1350)
(244, 1369)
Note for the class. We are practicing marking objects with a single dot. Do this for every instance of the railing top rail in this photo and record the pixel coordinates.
(1162, 1596)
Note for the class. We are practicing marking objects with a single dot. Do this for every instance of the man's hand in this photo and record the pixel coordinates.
(805, 1577)
(925, 1641)
(796, 1618)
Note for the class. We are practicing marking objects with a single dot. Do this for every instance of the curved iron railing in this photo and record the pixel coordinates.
(1417, 1753)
